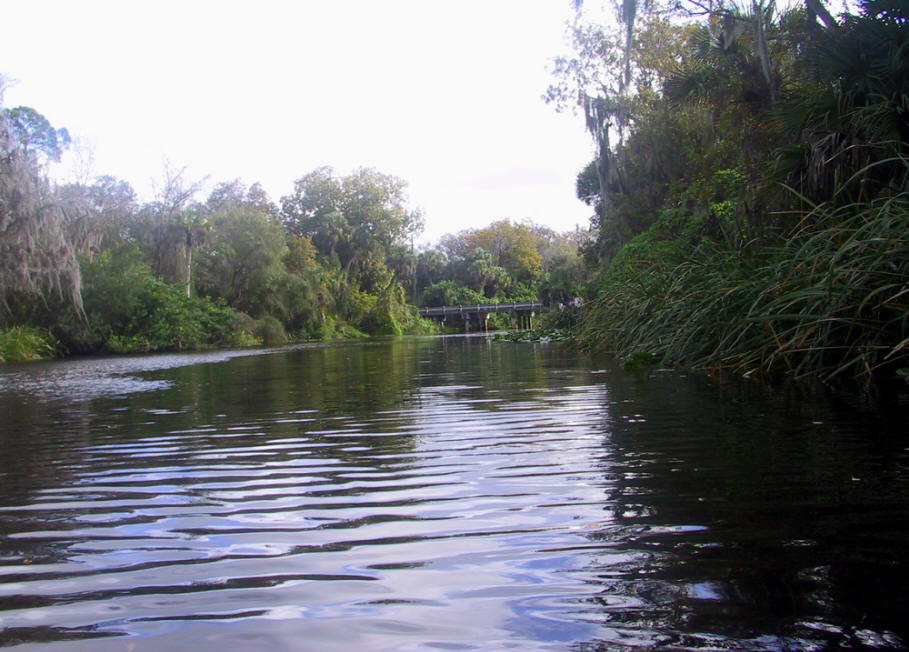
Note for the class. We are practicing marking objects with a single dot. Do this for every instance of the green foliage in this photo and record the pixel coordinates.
(415, 325)
(830, 301)
(565, 317)
(270, 331)
(301, 254)
(521, 292)
(381, 319)
(332, 329)
(37, 256)
(544, 334)
(242, 260)
(31, 131)
(354, 222)
(174, 273)
(24, 343)
(564, 282)
(303, 302)
(391, 315)
(707, 258)
(243, 331)
(638, 361)
(493, 259)
(451, 293)
(849, 120)
(129, 310)
(499, 321)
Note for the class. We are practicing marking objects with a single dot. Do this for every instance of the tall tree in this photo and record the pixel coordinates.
(169, 228)
(609, 79)
(37, 260)
(241, 260)
(97, 215)
(354, 221)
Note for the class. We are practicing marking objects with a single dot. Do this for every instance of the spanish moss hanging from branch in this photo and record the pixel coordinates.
(37, 261)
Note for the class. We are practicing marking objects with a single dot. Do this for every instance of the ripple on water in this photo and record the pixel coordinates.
(521, 509)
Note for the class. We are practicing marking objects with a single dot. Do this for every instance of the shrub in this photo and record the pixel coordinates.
(270, 331)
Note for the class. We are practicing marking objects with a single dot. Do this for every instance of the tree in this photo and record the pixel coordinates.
(353, 221)
(431, 265)
(130, 310)
(37, 261)
(97, 216)
(30, 131)
(849, 120)
(229, 195)
(301, 254)
(241, 260)
(611, 79)
(169, 228)
(515, 248)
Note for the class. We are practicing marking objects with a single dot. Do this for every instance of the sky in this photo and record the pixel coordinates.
(445, 95)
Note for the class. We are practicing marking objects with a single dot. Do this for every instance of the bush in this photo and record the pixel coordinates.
(243, 331)
(270, 331)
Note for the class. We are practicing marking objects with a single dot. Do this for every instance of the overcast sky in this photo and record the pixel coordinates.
(445, 95)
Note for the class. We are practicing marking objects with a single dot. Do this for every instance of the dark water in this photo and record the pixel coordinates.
(447, 493)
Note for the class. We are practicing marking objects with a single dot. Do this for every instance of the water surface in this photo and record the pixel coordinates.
(442, 493)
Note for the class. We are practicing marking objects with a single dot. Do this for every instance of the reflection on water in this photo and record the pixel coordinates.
(88, 378)
(450, 493)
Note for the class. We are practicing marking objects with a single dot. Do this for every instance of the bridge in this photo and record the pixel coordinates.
(522, 312)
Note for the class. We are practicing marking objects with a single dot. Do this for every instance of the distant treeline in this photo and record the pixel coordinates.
(86, 267)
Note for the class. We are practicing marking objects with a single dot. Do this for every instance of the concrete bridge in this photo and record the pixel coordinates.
(522, 313)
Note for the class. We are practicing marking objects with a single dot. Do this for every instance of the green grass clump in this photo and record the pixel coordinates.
(23, 343)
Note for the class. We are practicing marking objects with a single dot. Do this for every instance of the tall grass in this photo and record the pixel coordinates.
(22, 343)
(830, 301)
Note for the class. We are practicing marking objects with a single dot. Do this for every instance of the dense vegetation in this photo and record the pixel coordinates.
(86, 267)
(750, 185)
(750, 195)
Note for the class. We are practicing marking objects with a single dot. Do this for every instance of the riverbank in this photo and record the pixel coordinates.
(32, 343)
(829, 301)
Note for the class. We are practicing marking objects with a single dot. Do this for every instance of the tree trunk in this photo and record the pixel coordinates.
(762, 50)
(189, 263)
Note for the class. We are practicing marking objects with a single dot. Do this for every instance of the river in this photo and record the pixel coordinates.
(450, 493)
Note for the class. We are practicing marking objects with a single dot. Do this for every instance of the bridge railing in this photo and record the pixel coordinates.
(482, 308)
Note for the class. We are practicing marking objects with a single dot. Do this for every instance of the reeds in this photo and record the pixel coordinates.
(830, 301)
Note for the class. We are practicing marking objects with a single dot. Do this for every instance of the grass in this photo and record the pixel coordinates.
(23, 343)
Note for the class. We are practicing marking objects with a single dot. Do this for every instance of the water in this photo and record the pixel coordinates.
(442, 493)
